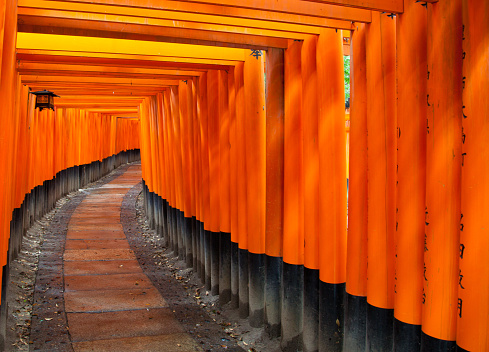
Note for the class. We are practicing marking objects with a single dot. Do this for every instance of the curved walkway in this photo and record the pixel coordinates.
(110, 303)
(102, 301)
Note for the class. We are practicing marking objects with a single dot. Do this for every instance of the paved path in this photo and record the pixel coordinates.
(110, 303)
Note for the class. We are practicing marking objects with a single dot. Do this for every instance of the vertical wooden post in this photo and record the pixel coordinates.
(382, 138)
(274, 226)
(255, 135)
(332, 190)
(443, 176)
(244, 303)
(224, 192)
(356, 264)
(177, 155)
(411, 186)
(293, 269)
(213, 128)
(473, 288)
(233, 185)
(311, 193)
(183, 105)
(191, 191)
(204, 134)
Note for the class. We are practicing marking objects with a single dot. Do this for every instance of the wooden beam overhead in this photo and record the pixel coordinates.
(85, 45)
(37, 56)
(138, 82)
(97, 29)
(174, 19)
(60, 55)
(291, 11)
(392, 6)
(95, 69)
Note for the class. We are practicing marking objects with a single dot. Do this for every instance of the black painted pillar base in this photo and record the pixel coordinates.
(244, 298)
(292, 304)
(331, 316)
(234, 276)
(311, 310)
(175, 230)
(273, 274)
(165, 228)
(355, 323)
(4, 306)
(224, 268)
(150, 213)
(256, 272)
(215, 262)
(188, 241)
(181, 235)
(380, 329)
(201, 271)
(407, 337)
(431, 344)
(208, 260)
(195, 243)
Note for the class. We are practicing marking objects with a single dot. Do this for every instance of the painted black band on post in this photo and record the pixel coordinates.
(292, 303)
(208, 261)
(234, 304)
(432, 344)
(256, 272)
(224, 268)
(355, 323)
(187, 231)
(215, 262)
(195, 243)
(244, 299)
(380, 328)
(273, 274)
(407, 337)
(311, 310)
(331, 316)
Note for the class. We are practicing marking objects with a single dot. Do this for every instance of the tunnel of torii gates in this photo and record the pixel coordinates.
(237, 111)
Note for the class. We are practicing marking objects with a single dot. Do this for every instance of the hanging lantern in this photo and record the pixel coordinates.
(45, 99)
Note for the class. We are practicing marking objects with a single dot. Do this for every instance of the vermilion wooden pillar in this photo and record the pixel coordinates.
(443, 176)
(185, 225)
(214, 175)
(274, 226)
(411, 184)
(255, 135)
(356, 264)
(293, 251)
(233, 185)
(224, 192)
(382, 139)
(204, 135)
(473, 318)
(311, 192)
(177, 155)
(244, 303)
(332, 190)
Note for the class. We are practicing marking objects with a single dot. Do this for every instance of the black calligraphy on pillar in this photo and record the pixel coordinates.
(460, 307)
(256, 53)
(462, 249)
(460, 277)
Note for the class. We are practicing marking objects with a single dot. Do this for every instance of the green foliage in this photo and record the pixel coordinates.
(346, 67)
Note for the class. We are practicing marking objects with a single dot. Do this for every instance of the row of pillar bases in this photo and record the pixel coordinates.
(288, 301)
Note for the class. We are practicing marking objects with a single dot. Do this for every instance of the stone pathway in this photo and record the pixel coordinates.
(110, 303)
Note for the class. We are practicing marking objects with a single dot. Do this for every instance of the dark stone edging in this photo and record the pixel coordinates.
(196, 322)
(49, 326)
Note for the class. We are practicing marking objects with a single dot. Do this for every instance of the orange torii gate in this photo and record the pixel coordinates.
(238, 110)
